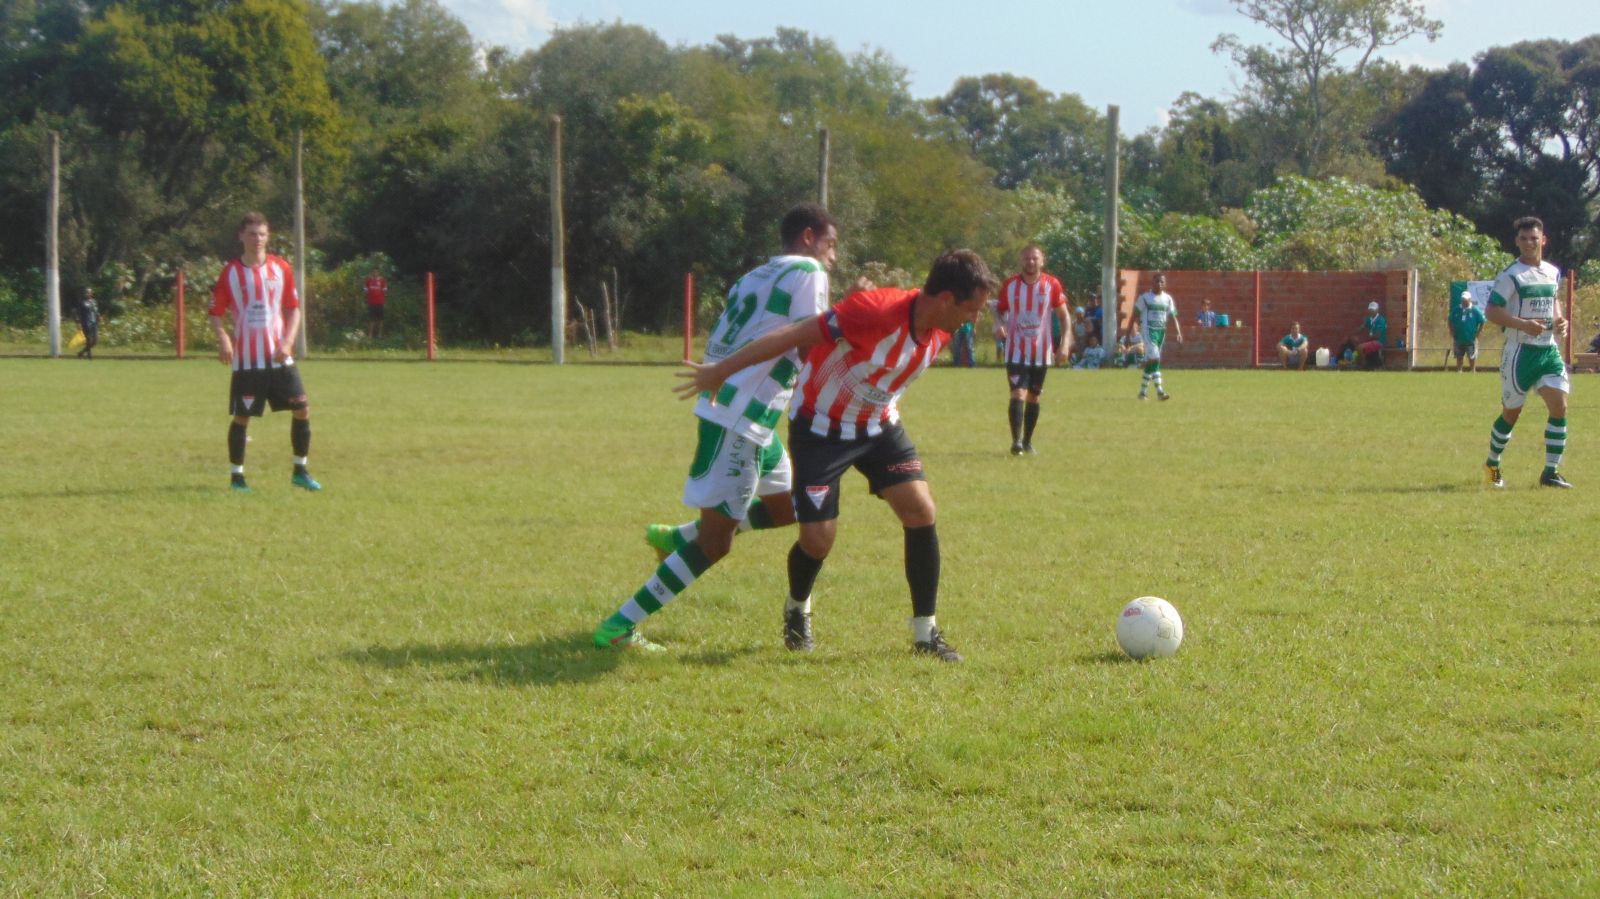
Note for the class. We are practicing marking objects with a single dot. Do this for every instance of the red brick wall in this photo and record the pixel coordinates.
(1328, 305)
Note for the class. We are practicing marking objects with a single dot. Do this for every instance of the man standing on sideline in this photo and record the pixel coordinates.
(88, 323)
(1466, 323)
(1523, 301)
(1294, 349)
(740, 476)
(1152, 311)
(864, 353)
(377, 294)
(1027, 299)
(258, 291)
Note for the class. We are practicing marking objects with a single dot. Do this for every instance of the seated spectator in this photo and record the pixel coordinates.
(1206, 318)
(1094, 355)
(1294, 350)
(1080, 330)
(1365, 347)
(1130, 349)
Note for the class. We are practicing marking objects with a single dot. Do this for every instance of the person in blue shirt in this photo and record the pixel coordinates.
(1207, 318)
(1466, 322)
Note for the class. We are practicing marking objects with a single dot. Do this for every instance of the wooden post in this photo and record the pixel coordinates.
(558, 251)
(302, 284)
(822, 167)
(1110, 296)
(605, 311)
(432, 342)
(1255, 341)
(52, 243)
(180, 314)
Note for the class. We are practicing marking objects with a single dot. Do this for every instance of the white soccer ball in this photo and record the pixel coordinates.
(1149, 626)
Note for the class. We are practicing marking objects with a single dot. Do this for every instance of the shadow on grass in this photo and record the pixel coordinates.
(1454, 487)
(567, 659)
(89, 492)
(1105, 658)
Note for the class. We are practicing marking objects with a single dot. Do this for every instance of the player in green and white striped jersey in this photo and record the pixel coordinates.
(1523, 300)
(1154, 309)
(740, 476)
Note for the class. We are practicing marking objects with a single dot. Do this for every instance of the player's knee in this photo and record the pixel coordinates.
(816, 540)
(1033, 398)
(715, 546)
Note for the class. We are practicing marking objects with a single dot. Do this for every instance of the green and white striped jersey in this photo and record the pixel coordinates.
(1153, 310)
(786, 289)
(1528, 291)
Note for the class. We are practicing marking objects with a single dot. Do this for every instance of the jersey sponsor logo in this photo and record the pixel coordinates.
(817, 495)
(871, 394)
(1015, 380)
(908, 467)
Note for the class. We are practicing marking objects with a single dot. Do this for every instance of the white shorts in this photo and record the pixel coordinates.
(729, 471)
(1152, 351)
(1527, 368)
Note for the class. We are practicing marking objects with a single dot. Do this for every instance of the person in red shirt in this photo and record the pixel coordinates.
(257, 290)
(864, 352)
(377, 293)
(1022, 320)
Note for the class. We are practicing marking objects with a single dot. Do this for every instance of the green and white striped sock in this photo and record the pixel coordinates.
(1555, 443)
(1499, 436)
(673, 576)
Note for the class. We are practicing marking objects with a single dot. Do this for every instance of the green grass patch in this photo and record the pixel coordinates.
(1387, 685)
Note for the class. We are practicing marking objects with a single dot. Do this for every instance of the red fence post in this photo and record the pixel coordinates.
(688, 313)
(180, 313)
(1255, 340)
(431, 341)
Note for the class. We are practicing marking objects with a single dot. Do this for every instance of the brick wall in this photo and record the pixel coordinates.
(1328, 305)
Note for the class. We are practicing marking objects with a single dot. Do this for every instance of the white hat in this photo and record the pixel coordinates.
(1466, 294)
(1372, 307)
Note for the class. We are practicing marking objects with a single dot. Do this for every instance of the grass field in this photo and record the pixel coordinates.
(1388, 685)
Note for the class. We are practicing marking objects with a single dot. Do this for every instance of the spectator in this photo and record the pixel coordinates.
(1466, 323)
(1080, 329)
(961, 344)
(1094, 314)
(88, 316)
(1294, 350)
(1206, 318)
(1366, 345)
(1094, 355)
(377, 290)
(1130, 349)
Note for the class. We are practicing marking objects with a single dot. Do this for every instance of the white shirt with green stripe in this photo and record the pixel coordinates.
(786, 289)
(1528, 291)
(1153, 310)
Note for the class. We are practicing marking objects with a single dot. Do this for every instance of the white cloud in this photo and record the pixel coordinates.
(518, 24)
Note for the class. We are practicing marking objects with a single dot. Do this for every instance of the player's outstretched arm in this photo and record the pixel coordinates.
(702, 377)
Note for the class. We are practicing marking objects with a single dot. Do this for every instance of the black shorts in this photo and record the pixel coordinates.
(374, 312)
(819, 462)
(1026, 377)
(254, 389)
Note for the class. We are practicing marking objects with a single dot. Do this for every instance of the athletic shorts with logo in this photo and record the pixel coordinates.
(820, 463)
(1026, 377)
(729, 471)
(1152, 345)
(1524, 368)
(254, 389)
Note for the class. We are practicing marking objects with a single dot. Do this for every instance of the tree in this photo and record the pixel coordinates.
(1025, 133)
(1295, 80)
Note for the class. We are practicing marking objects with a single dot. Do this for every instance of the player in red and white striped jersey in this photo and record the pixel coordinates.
(1022, 319)
(864, 353)
(257, 291)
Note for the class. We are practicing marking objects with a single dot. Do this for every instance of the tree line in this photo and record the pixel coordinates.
(430, 150)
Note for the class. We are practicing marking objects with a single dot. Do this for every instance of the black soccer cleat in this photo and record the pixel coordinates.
(797, 631)
(1554, 479)
(936, 647)
(1016, 449)
(1027, 449)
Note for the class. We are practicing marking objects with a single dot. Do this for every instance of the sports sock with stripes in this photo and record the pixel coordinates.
(1555, 443)
(673, 576)
(1499, 436)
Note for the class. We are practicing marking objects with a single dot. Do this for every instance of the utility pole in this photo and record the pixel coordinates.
(558, 250)
(1110, 301)
(302, 285)
(822, 168)
(52, 243)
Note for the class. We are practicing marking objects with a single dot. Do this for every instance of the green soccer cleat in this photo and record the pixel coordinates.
(304, 481)
(611, 636)
(1491, 476)
(662, 538)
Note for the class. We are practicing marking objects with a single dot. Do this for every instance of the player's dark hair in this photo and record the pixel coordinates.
(252, 218)
(797, 220)
(1526, 222)
(963, 273)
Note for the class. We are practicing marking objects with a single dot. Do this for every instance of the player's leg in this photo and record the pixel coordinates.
(1553, 389)
(287, 392)
(894, 472)
(1030, 413)
(819, 465)
(1016, 377)
(771, 508)
(247, 398)
(1512, 398)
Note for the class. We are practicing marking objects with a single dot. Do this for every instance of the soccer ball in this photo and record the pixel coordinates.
(1149, 626)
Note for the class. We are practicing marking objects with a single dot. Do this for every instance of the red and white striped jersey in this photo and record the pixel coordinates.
(256, 297)
(851, 383)
(1025, 311)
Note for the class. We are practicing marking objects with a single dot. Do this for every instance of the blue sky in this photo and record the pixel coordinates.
(1137, 54)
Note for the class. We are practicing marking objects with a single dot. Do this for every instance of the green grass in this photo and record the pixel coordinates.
(1387, 686)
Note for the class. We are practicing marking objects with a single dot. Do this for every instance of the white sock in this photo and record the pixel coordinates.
(791, 604)
(237, 469)
(299, 460)
(922, 629)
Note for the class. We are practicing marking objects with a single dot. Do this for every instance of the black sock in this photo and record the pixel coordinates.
(1014, 413)
(236, 443)
(759, 516)
(300, 436)
(922, 569)
(802, 573)
(1029, 419)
